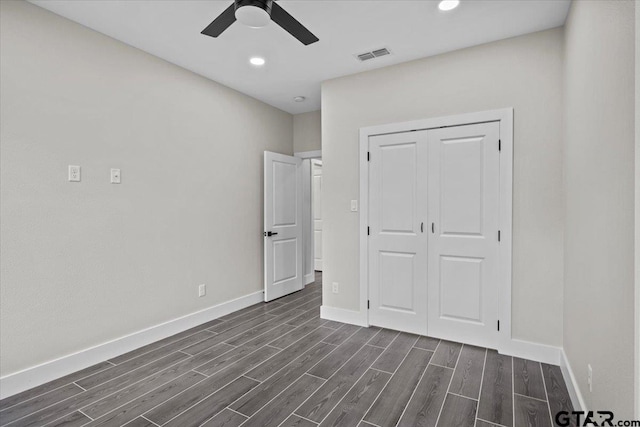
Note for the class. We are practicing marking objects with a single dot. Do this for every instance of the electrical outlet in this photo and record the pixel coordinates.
(115, 176)
(74, 173)
(335, 287)
(590, 377)
(202, 290)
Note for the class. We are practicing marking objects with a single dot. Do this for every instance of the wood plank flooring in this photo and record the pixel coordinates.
(279, 364)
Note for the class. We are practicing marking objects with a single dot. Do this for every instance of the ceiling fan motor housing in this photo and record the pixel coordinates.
(256, 14)
(253, 13)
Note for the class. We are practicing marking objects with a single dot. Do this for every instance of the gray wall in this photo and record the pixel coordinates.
(524, 73)
(599, 189)
(306, 132)
(84, 263)
(637, 242)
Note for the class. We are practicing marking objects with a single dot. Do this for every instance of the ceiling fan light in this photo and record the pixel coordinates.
(446, 5)
(252, 16)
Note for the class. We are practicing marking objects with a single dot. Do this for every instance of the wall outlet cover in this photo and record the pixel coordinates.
(74, 173)
(115, 176)
(202, 290)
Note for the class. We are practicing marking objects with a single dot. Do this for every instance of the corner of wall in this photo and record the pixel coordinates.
(572, 384)
(599, 265)
(307, 132)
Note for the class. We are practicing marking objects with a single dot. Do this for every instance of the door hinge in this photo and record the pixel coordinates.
(368, 156)
(368, 304)
(498, 235)
(498, 326)
(368, 231)
(499, 145)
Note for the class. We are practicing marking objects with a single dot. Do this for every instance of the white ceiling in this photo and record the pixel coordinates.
(170, 29)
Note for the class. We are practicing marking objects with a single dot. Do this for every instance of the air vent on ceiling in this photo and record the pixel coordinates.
(381, 52)
(365, 56)
(373, 54)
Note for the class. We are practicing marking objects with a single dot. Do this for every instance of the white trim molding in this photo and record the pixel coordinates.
(317, 154)
(309, 278)
(31, 377)
(342, 315)
(572, 385)
(504, 343)
(533, 351)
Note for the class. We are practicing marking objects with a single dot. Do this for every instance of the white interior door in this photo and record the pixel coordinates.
(397, 233)
(463, 235)
(282, 225)
(316, 179)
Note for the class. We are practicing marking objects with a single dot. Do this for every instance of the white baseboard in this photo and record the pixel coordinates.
(532, 351)
(572, 384)
(310, 278)
(345, 316)
(514, 347)
(31, 377)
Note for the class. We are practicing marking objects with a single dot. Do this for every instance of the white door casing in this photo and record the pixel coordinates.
(307, 223)
(283, 269)
(464, 182)
(316, 189)
(397, 234)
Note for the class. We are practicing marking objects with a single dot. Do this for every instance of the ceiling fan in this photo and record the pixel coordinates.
(256, 14)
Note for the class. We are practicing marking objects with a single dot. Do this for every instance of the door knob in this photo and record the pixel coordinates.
(269, 233)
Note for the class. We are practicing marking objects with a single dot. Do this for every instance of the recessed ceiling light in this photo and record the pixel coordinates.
(299, 98)
(256, 60)
(446, 5)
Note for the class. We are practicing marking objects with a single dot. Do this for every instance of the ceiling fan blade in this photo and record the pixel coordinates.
(291, 25)
(221, 23)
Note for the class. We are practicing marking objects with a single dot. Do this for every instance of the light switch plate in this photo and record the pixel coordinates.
(74, 173)
(354, 206)
(115, 176)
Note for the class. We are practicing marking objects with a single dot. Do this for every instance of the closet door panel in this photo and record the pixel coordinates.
(397, 242)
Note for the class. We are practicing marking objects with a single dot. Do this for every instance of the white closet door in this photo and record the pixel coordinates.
(398, 237)
(463, 234)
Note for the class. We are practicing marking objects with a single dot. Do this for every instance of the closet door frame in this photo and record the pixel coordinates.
(504, 343)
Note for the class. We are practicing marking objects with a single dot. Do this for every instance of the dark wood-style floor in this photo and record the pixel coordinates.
(279, 364)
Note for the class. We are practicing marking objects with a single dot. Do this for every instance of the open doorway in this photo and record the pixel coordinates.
(316, 212)
(311, 209)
